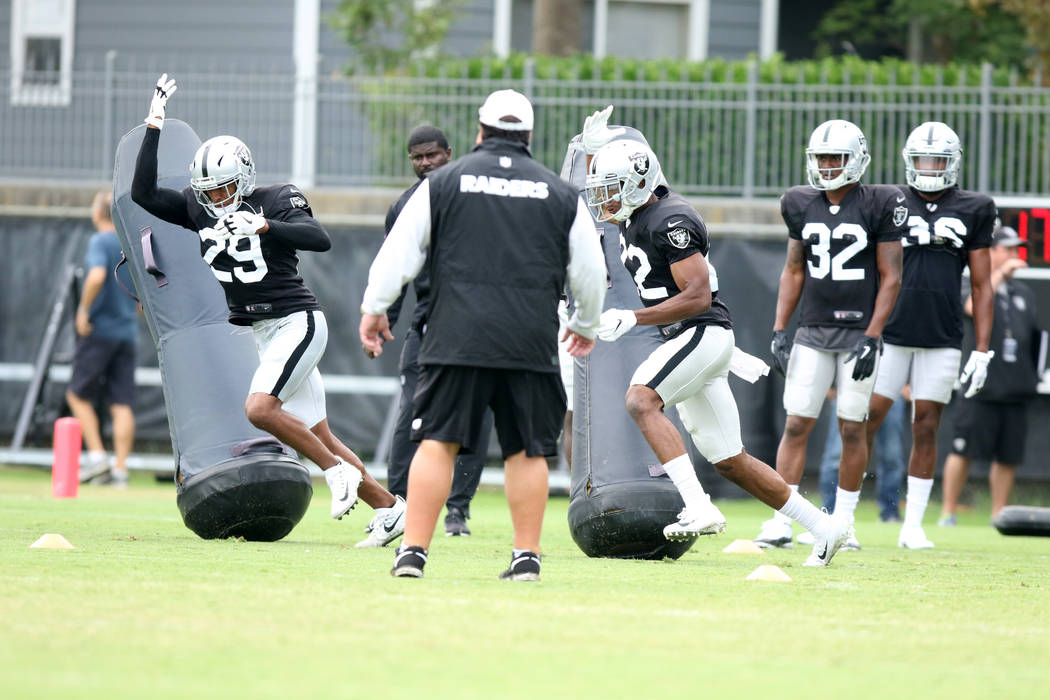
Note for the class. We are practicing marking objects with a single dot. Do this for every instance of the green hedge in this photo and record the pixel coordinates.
(835, 71)
(695, 114)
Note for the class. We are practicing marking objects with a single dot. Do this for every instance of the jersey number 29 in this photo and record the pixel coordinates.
(236, 249)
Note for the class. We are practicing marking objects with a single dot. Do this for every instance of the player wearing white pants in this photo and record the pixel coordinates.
(691, 372)
(949, 229)
(931, 372)
(842, 271)
(811, 373)
(254, 257)
(289, 350)
(664, 245)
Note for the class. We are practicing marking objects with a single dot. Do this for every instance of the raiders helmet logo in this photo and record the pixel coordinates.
(640, 163)
(244, 156)
(679, 237)
(900, 215)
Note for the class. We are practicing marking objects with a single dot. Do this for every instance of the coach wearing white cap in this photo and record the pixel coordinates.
(503, 235)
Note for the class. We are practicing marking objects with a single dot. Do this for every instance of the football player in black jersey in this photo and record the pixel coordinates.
(664, 245)
(948, 229)
(249, 237)
(844, 267)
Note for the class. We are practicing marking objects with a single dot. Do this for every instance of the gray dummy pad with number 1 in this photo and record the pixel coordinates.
(620, 499)
(233, 479)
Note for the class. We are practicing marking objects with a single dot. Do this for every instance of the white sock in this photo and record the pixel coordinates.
(846, 503)
(798, 508)
(779, 515)
(682, 474)
(918, 499)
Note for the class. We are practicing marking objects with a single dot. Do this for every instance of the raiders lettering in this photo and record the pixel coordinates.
(501, 187)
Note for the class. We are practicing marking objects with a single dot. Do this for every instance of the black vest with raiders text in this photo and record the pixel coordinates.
(499, 247)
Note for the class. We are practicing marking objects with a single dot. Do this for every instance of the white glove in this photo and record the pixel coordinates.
(747, 367)
(165, 89)
(976, 371)
(596, 131)
(217, 234)
(614, 323)
(241, 223)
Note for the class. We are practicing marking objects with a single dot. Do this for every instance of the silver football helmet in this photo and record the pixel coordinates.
(222, 164)
(622, 176)
(837, 137)
(932, 157)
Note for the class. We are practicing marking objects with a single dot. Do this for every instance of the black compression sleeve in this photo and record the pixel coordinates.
(163, 203)
(305, 233)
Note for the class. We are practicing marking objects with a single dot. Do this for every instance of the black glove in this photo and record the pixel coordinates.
(865, 351)
(781, 349)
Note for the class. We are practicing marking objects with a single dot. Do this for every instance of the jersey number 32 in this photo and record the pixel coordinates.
(818, 237)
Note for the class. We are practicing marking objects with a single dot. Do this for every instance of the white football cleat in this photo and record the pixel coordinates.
(829, 540)
(913, 537)
(852, 544)
(343, 479)
(705, 520)
(387, 525)
(775, 533)
(806, 538)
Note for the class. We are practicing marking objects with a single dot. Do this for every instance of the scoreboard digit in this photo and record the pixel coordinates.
(1033, 225)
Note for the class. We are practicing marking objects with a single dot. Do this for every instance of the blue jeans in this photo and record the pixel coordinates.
(889, 461)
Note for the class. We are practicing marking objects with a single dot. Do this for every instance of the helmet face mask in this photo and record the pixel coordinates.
(621, 178)
(222, 174)
(603, 198)
(841, 138)
(932, 157)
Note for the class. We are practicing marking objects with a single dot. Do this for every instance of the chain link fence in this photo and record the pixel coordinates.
(733, 138)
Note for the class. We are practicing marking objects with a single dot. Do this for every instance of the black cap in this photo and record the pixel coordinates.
(1006, 236)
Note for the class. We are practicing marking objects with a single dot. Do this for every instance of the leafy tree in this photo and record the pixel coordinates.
(961, 31)
(389, 33)
(1035, 18)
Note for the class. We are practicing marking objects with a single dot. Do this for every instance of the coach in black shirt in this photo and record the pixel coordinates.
(993, 425)
(503, 234)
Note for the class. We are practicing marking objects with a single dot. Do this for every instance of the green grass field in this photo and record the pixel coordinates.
(142, 608)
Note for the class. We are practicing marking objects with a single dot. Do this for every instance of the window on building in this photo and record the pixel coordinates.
(647, 29)
(42, 51)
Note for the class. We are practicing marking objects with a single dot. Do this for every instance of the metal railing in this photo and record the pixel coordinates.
(713, 138)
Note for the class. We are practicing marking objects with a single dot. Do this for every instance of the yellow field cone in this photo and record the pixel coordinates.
(52, 541)
(743, 547)
(768, 572)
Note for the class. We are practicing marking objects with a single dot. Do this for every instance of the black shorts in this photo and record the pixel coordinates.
(990, 431)
(450, 404)
(104, 368)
